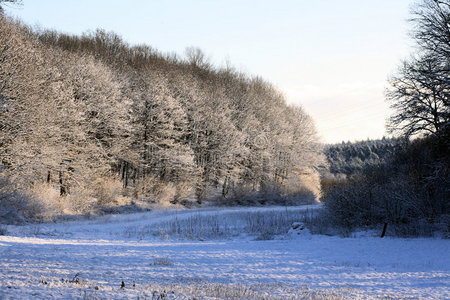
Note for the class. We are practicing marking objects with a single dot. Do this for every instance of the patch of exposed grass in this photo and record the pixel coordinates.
(163, 261)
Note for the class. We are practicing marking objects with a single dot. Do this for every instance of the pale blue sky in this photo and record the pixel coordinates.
(330, 56)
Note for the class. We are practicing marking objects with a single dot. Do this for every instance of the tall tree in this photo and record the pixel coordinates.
(27, 106)
(420, 96)
(420, 92)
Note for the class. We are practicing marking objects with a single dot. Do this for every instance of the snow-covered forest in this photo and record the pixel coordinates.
(96, 122)
(347, 158)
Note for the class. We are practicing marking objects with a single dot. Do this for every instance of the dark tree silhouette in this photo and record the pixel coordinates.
(419, 93)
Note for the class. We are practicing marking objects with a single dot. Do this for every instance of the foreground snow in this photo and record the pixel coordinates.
(90, 259)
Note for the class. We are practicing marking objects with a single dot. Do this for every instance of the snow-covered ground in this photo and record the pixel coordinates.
(155, 258)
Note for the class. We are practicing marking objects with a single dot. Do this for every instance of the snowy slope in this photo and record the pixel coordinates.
(91, 258)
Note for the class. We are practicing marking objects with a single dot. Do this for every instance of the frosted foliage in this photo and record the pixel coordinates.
(80, 110)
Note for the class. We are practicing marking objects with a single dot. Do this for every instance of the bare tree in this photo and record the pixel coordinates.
(197, 58)
(431, 31)
(420, 97)
(419, 93)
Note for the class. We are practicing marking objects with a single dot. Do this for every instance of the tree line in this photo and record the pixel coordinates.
(83, 114)
(347, 158)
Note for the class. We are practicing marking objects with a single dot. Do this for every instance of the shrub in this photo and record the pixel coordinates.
(106, 190)
(156, 191)
(3, 230)
(80, 201)
(329, 182)
(163, 261)
(18, 206)
(50, 200)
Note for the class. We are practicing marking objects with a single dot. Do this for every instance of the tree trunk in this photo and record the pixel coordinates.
(384, 230)
(62, 185)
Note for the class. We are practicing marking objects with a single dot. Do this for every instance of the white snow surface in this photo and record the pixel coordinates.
(90, 259)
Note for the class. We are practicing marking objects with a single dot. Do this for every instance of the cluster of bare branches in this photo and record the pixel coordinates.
(420, 91)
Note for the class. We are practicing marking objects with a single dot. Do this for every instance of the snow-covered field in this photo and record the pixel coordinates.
(214, 253)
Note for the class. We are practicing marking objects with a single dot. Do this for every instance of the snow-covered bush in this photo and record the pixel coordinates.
(18, 206)
(156, 191)
(80, 201)
(50, 200)
(106, 190)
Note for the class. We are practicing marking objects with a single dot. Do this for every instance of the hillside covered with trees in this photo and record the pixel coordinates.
(347, 158)
(96, 122)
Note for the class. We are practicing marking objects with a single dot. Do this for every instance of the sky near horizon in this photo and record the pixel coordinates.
(332, 57)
